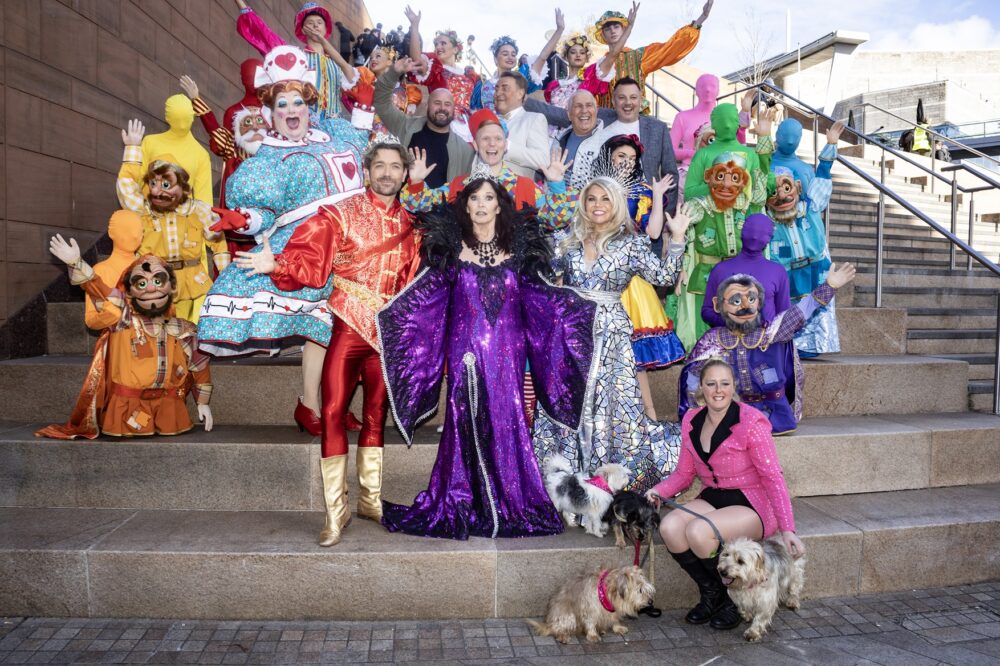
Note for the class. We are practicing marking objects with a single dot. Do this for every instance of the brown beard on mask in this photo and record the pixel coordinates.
(784, 216)
(151, 313)
(742, 328)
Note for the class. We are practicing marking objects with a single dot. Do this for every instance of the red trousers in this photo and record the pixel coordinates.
(348, 356)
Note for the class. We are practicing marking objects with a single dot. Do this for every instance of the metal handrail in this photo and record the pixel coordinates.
(781, 96)
(663, 97)
(674, 76)
(916, 212)
(934, 133)
(885, 191)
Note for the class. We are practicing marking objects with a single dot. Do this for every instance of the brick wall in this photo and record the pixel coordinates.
(72, 73)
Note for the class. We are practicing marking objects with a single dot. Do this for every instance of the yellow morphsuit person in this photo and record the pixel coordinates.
(179, 142)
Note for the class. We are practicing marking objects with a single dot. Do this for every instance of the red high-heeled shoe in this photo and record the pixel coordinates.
(352, 423)
(308, 420)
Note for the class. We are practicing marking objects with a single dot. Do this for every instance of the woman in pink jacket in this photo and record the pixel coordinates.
(729, 446)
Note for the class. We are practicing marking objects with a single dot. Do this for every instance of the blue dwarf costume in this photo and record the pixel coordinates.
(799, 244)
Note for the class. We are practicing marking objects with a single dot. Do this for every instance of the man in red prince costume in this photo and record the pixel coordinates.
(368, 243)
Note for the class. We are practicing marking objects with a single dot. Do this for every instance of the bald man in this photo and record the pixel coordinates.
(584, 123)
(451, 155)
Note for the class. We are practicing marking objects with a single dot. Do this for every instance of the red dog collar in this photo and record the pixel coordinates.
(602, 593)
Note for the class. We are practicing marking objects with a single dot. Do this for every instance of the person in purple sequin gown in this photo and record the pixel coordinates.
(477, 310)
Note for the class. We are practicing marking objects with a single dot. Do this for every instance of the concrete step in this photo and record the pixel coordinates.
(980, 365)
(274, 468)
(929, 278)
(265, 564)
(955, 319)
(262, 391)
(934, 341)
(981, 396)
(922, 297)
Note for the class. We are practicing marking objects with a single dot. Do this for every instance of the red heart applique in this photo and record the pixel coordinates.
(285, 61)
(349, 170)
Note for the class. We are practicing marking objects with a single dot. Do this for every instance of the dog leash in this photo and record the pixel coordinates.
(674, 505)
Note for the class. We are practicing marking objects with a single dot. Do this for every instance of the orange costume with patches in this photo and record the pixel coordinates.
(141, 373)
(372, 253)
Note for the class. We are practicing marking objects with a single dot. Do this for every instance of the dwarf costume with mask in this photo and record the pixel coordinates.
(768, 373)
(736, 189)
(145, 364)
(757, 232)
(799, 244)
(175, 225)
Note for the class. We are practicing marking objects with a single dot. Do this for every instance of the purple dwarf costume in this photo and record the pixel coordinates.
(768, 373)
(756, 234)
(479, 324)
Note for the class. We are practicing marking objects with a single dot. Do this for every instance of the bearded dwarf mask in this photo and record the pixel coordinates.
(726, 179)
(150, 284)
(739, 300)
(783, 205)
(168, 183)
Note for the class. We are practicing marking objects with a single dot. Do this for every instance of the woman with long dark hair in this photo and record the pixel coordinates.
(480, 308)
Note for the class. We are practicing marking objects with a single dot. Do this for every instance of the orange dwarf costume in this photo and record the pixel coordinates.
(142, 370)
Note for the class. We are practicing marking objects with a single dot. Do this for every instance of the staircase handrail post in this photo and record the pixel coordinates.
(996, 363)
(933, 165)
(954, 217)
(878, 235)
(972, 219)
(815, 141)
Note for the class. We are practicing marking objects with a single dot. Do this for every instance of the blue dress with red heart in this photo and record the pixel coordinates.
(282, 185)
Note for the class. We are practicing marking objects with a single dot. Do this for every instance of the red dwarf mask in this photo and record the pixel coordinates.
(725, 182)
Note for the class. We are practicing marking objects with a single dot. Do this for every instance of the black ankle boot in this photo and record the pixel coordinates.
(710, 587)
(726, 615)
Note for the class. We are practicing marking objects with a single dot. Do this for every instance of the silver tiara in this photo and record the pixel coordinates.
(481, 170)
(381, 139)
(623, 174)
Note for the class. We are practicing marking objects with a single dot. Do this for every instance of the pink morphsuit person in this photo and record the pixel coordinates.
(688, 124)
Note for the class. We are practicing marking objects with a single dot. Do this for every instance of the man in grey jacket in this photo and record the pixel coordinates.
(658, 152)
(431, 133)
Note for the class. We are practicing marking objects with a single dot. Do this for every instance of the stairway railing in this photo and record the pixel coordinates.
(771, 91)
(935, 134)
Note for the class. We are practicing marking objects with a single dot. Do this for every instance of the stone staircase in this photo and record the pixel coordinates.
(896, 483)
(951, 312)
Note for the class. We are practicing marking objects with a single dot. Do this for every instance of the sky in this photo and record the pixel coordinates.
(731, 32)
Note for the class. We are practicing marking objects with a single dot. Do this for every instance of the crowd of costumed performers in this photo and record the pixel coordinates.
(533, 246)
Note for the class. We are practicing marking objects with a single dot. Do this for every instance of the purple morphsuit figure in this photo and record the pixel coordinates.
(478, 324)
(756, 234)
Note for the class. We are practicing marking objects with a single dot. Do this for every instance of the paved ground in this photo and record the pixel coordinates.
(955, 625)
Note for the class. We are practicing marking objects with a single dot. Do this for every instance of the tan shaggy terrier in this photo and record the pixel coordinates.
(594, 602)
(760, 576)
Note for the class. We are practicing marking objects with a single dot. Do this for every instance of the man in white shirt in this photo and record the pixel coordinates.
(527, 133)
(584, 123)
(658, 155)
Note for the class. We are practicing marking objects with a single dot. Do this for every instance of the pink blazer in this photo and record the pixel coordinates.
(746, 460)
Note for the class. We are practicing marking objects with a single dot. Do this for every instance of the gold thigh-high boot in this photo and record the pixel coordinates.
(338, 512)
(369, 463)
